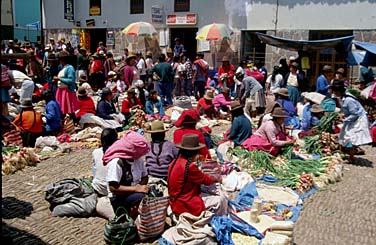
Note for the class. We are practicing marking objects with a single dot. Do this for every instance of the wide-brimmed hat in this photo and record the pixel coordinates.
(82, 91)
(279, 113)
(225, 90)
(26, 104)
(315, 97)
(188, 117)
(131, 56)
(209, 95)
(283, 92)
(239, 74)
(235, 105)
(111, 74)
(190, 142)
(157, 127)
(316, 108)
(340, 71)
(225, 59)
(48, 47)
(63, 54)
(139, 83)
(295, 64)
(327, 68)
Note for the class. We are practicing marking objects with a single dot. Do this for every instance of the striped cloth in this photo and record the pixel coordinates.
(13, 138)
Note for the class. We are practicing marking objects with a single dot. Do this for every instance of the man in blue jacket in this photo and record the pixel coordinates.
(322, 84)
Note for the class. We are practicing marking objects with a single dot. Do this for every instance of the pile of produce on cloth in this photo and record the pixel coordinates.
(136, 121)
(326, 122)
(16, 158)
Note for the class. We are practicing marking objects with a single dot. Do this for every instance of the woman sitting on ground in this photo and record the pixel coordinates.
(205, 105)
(154, 102)
(53, 113)
(185, 178)
(130, 103)
(282, 97)
(311, 115)
(127, 176)
(241, 128)
(186, 124)
(106, 107)
(270, 137)
(222, 101)
(162, 152)
(85, 102)
(30, 122)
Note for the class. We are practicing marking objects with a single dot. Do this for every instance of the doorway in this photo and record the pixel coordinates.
(188, 38)
(96, 36)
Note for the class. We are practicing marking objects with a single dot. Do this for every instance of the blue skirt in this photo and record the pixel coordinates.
(294, 94)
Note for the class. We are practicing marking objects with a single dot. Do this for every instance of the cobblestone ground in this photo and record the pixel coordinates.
(339, 214)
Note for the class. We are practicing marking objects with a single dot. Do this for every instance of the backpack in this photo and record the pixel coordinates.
(120, 67)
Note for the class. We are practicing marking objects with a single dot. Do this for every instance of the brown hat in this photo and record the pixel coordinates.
(279, 113)
(295, 64)
(157, 127)
(209, 95)
(131, 56)
(63, 54)
(225, 90)
(51, 57)
(235, 105)
(169, 51)
(190, 142)
(225, 59)
(327, 68)
(283, 92)
(26, 104)
(340, 71)
(149, 53)
(316, 109)
(82, 91)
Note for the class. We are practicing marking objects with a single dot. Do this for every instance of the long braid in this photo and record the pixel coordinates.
(186, 172)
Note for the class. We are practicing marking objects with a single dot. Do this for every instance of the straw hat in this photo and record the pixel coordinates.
(190, 142)
(316, 109)
(157, 127)
(209, 95)
(236, 105)
(279, 113)
(26, 104)
(327, 68)
(51, 57)
(315, 97)
(131, 56)
(283, 92)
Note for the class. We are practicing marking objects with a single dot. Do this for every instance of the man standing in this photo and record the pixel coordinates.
(82, 63)
(166, 77)
(188, 75)
(251, 87)
(178, 48)
(226, 74)
(200, 75)
(322, 84)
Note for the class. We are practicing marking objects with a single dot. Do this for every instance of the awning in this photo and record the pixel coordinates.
(341, 44)
(369, 47)
(355, 57)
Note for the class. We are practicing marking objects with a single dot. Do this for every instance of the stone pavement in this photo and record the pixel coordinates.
(343, 213)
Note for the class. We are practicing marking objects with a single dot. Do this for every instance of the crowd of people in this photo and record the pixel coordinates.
(66, 79)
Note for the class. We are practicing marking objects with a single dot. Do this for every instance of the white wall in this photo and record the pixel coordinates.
(312, 15)
(116, 14)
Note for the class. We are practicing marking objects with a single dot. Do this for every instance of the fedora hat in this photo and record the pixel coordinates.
(190, 142)
(81, 91)
(316, 109)
(279, 113)
(235, 105)
(26, 104)
(283, 92)
(157, 126)
(209, 95)
(327, 68)
(340, 71)
(225, 59)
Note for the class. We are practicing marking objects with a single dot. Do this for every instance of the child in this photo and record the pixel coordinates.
(154, 102)
(53, 114)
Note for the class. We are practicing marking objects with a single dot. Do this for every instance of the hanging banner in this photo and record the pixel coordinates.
(69, 9)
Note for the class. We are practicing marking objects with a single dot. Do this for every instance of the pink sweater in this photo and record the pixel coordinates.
(220, 100)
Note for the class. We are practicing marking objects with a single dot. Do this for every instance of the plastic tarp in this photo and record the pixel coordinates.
(247, 194)
(369, 58)
(369, 47)
(340, 44)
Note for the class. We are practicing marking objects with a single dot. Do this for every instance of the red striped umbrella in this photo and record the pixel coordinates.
(214, 32)
(139, 29)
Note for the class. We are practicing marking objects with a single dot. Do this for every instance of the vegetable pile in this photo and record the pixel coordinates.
(326, 122)
(15, 159)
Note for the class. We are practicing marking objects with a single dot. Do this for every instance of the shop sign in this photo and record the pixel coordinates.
(110, 40)
(69, 9)
(95, 11)
(156, 14)
(90, 23)
(187, 19)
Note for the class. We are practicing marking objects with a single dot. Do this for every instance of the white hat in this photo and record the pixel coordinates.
(111, 73)
(292, 58)
(315, 97)
(139, 83)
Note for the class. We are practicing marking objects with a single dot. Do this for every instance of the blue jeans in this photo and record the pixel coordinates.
(187, 85)
(165, 90)
(199, 89)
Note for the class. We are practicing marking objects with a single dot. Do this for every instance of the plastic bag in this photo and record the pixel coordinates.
(247, 194)
(46, 141)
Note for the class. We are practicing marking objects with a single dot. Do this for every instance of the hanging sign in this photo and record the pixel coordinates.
(187, 19)
(156, 14)
(69, 9)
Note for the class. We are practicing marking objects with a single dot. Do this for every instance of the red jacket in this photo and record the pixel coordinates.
(256, 75)
(86, 106)
(97, 66)
(189, 200)
(127, 105)
(230, 70)
(178, 137)
(205, 104)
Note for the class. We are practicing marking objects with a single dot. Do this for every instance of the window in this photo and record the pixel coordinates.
(252, 47)
(182, 5)
(95, 7)
(137, 6)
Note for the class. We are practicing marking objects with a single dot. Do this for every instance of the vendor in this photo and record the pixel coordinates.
(270, 137)
(241, 128)
(162, 152)
(154, 103)
(283, 99)
(86, 103)
(310, 118)
(222, 101)
(53, 113)
(105, 106)
(294, 82)
(185, 178)
(127, 176)
(355, 130)
(186, 124)
(30, 122)
(205, 105)
(131, 102)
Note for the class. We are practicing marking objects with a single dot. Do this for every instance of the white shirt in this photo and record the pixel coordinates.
(115, 171)
(276, 84)
(149, 63)
(292, 80)
(141, 67)
(99, 172)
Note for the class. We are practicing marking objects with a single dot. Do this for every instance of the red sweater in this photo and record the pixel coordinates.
(205, 104)
(86, 106)
(189, 200)
(230, 70)
(178, 137)
(127, 105)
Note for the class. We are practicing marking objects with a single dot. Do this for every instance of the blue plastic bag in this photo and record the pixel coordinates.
(247, 194)
(268, 178)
